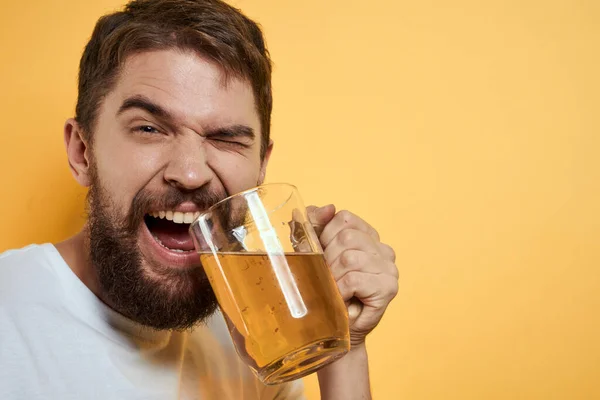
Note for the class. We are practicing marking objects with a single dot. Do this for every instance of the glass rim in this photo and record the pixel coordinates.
(293, 188)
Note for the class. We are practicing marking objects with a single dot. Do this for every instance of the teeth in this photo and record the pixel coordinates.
(178, 217)
(188, 217)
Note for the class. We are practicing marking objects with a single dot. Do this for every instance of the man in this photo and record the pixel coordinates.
(173, 114)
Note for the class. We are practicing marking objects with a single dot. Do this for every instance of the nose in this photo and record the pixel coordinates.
(188, 168)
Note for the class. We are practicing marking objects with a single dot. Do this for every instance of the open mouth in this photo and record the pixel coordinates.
(170, 229)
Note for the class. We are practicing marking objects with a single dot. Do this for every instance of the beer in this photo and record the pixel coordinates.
(279, 333)
(266, 266)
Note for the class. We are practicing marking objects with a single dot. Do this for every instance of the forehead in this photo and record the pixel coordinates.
(190, 87)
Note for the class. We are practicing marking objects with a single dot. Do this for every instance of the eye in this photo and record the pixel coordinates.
(146, 129)
(229, 142)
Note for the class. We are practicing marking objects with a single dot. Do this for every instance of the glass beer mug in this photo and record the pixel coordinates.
(267, 269)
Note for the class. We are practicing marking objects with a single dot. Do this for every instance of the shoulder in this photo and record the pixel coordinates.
(24, 260)
(24, 252)
(21, 270)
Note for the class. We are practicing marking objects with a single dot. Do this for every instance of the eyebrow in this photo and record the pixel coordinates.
(143, 103)
(230, 132)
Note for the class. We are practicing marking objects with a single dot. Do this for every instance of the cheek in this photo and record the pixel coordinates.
(123, 170)
(235, 172)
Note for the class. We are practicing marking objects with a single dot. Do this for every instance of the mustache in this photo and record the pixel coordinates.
(145, 200)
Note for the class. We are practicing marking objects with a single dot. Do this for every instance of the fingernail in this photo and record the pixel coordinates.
(354, 309)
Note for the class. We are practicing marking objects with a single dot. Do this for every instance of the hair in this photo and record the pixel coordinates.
(212, 28)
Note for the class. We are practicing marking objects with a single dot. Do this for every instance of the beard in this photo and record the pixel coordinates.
(154, 295)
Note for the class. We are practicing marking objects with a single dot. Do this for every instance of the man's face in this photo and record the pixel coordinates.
(171, 139)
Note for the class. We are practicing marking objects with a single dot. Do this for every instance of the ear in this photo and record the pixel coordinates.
(265, 161)
(78, 152)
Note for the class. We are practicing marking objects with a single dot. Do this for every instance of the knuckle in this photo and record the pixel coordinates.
(347, 217)
(351, 280)
(347, 237)
(375, 234)
(350, 258)
(394, 289)
(390, 269)
(392, 253)
(389, 251)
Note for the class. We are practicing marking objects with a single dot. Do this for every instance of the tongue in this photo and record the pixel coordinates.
(172, 235)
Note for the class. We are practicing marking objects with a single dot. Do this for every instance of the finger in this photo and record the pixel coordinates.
(371, 289)
(345, 220)
(350, 239)
(301, 237)
(354, 309)
(360, 261)
(375, 293)
(387, 252)
(319, 217)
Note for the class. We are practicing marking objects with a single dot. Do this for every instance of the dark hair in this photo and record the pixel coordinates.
(212, 28)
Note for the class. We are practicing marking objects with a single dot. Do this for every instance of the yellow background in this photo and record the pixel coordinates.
(467, 132)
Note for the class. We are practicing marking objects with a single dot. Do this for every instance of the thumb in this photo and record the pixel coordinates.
(320, 216)
(354, 309)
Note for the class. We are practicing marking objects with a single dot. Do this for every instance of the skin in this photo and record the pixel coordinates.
(135, 149)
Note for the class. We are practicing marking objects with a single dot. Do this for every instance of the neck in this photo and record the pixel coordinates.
(75, 251)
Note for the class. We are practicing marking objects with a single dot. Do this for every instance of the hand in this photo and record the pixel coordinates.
(363, 267)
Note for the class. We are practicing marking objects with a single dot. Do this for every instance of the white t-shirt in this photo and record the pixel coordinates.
(59, 341)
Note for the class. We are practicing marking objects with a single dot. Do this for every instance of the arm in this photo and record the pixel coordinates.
(367, 278)
(347, 378)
